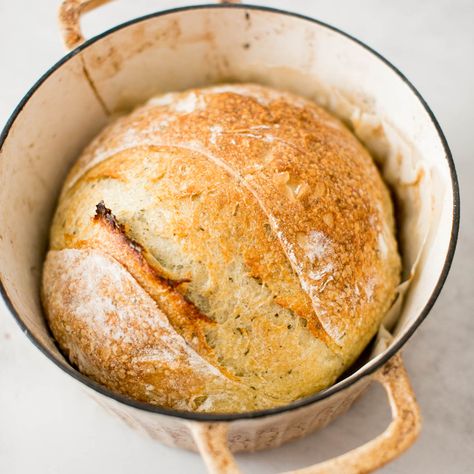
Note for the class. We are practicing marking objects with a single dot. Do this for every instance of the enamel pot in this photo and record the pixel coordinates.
(193, 47)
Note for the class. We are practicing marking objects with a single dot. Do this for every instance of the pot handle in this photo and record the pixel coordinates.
(70, 12)
(211, 438)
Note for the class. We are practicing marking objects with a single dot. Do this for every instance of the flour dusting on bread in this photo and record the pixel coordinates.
(265, 252)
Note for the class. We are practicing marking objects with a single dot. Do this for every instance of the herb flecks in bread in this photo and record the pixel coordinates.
(250, 221)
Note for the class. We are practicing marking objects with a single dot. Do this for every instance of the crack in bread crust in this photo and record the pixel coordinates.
(104, 216)
(184, 316)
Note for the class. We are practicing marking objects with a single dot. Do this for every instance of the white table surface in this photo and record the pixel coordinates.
(48, 425)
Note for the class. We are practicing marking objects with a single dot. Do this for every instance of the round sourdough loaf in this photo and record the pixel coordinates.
(221, 250)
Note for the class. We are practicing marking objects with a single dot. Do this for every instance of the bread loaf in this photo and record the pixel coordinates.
(220, 250)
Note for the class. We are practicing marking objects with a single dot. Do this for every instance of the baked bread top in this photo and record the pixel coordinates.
(222, 249)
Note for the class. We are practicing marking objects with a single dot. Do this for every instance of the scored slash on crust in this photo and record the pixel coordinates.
(111, 237)
(104, 216)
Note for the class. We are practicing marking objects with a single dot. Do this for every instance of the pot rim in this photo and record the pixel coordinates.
(366, 370)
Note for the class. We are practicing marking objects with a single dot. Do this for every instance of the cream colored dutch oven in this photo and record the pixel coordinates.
(195, 46)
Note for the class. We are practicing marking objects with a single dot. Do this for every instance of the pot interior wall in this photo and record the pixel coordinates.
(203, 46)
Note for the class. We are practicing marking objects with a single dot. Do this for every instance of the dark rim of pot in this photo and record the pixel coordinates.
(371, 366)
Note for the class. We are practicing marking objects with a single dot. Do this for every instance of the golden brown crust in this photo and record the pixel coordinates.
(268, 206)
